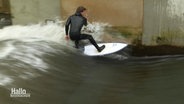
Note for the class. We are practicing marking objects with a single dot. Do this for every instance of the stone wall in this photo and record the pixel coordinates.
(33, 11)
(163, 22)
(127, 14)
(4, 6)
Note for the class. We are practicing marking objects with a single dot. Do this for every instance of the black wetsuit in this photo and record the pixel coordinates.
(76, 22)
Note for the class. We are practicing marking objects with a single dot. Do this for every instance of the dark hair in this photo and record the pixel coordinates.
(80, 9)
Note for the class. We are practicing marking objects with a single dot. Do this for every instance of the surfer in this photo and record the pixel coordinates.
(74, 25)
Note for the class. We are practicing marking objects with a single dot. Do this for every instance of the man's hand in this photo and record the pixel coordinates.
(67, 37)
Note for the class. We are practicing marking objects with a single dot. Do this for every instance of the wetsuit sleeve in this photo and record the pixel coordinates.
(67, 25)
(85, 22)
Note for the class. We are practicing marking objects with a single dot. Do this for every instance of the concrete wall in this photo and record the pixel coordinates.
(163, 22)
(33, 11)
(4, 6)
(126, 13)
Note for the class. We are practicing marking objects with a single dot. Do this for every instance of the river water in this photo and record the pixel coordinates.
(38, 59)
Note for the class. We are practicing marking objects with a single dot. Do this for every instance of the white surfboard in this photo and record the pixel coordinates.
(90, 50)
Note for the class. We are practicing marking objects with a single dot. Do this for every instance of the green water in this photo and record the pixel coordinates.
(73, 78)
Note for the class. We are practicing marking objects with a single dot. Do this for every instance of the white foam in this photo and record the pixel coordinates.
(4, 80)
(6, 50)
(49, 32)
(54, 32)
(30, 56)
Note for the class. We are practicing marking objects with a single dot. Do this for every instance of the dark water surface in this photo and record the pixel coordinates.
(53, 72)
(72, 78)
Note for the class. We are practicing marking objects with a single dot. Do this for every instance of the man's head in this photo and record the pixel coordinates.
(80, 9)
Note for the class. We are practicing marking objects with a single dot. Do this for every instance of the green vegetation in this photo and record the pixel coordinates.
(131, 35)
(172, 38)
(166, 43)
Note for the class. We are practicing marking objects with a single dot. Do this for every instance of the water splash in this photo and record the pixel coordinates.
(5, 80)
(47, 32)
(23, 48)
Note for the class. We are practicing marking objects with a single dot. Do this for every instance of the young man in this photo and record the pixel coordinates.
(75, 23)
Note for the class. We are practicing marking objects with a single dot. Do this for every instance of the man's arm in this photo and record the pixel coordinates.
(67, 25)
(85, 22)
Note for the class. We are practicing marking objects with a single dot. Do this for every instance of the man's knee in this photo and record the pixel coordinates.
(86, 36)
(90, 37)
